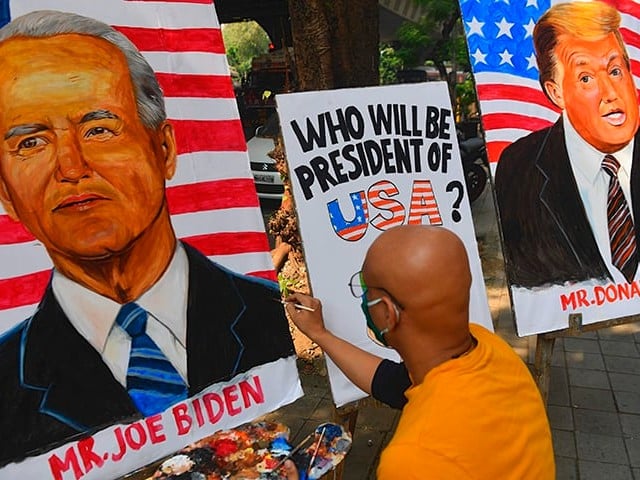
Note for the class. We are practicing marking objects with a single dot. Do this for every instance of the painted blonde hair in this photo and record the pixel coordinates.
(590, 20)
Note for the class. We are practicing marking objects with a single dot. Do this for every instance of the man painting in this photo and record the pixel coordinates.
(552, 192)
(464, 393)
(86, 150)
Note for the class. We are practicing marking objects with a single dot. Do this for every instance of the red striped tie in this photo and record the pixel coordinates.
(621, 232)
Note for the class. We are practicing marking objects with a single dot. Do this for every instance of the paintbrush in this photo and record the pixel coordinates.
(293, 451)
(315, 452)
(296, 305)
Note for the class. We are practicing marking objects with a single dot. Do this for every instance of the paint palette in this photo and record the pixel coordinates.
(257, 451)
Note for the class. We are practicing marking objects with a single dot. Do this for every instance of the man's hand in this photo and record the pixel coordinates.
(308, 322)
(357, 364)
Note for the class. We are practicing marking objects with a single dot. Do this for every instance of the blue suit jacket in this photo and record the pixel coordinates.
(54, 386)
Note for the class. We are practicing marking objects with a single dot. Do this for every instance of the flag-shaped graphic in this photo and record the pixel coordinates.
(212, 196)
(352, 230)
(499, 35)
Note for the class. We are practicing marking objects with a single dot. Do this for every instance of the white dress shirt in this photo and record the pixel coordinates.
(593, 185)
(94, 317)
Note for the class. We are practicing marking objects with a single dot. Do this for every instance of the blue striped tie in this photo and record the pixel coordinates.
(152, 381)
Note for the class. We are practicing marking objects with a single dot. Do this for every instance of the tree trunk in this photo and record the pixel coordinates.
(335, 43)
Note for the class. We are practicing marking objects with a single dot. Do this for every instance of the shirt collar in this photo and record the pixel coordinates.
(585, 159)
(93, 315)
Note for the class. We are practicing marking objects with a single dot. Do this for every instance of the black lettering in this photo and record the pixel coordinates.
(339, 126)
(433, 157)
(445, 114)
(431, 126)
(446, 156)
(337, 167)
(374, 156)
(396, 118)
(416, 143)
(380, 119)
(355, 122)
(306, 179)
(385, 143)
(415, 130)
(401, 153)
(313, 137)
(321, 169)
(357, 167)
(404, 124)
(363, 156)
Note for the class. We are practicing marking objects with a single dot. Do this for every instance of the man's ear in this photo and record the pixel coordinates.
(554, 91)
(6, 201)
(168, 144)
(392, 313)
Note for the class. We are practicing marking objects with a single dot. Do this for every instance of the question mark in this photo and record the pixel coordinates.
(456, 185)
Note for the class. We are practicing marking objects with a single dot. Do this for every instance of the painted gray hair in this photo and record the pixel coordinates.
(49, 23)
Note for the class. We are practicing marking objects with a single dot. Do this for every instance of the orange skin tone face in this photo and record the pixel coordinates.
(595, 87)
(77, 166)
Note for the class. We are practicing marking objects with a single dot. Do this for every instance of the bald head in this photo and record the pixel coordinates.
(425, 270)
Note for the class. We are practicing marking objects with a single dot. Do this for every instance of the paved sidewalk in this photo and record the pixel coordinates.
(594, 396)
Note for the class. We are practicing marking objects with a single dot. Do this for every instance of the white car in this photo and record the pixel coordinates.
(265, 174)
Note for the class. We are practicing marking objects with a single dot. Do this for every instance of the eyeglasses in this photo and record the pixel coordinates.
(359, 288)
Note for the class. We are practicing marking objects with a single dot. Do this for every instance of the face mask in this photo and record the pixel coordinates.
(374, 333)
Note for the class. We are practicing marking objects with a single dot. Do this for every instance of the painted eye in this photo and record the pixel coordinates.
(616, 72)
(31, 142)
(98, 131)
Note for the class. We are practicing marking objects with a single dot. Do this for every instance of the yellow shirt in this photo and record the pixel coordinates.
(477, 417)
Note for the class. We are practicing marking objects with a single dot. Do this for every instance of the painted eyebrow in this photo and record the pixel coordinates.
(26, 129)
(613, 56)
(99, 115)
(30, 128)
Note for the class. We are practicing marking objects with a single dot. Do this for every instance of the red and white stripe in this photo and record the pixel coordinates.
(424, 203)
(212, 197)
(394, 211)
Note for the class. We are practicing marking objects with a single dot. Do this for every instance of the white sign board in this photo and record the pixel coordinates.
(362, 161)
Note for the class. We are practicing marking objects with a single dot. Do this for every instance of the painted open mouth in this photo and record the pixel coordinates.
(615, 118)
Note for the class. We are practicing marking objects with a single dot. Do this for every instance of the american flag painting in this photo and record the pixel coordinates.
(499, 36)
(355, 228)
(212, 196)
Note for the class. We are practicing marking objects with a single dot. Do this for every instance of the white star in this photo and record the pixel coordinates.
(532, 3)
(479, 57)
(506, 1)
(359, 219)
(531, 59)
(475, 27)
(358, 208)
(529, 28)
(505, 28)
(505, 57)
